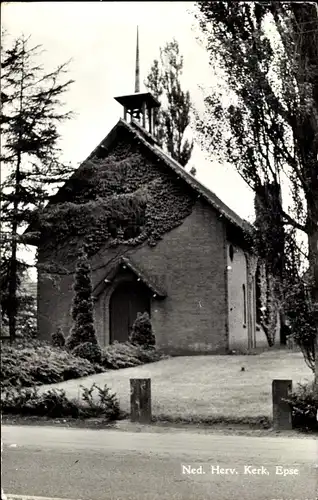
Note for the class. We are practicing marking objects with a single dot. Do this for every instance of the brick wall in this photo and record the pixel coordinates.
(189, 262)
(54, 302)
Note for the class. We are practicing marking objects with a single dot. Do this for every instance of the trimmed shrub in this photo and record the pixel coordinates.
(58, 339)
(52, 403)
(44, 364)
(142, 334)
(304, 403)
(148, 355)
(83, 329)
(55, 404)
(120, 355)
(126, 355)
(89, 351)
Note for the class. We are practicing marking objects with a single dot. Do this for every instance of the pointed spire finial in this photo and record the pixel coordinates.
(137, 80)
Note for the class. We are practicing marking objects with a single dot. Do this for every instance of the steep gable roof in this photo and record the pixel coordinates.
(150, 143)
(147, 140)
(201, 190)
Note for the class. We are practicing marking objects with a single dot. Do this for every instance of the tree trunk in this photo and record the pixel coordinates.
(313, 260)
(12, 292)
(13, 273)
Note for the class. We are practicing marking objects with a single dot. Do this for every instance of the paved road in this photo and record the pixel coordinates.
(114, 465)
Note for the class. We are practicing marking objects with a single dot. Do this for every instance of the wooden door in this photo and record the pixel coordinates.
(127, 300)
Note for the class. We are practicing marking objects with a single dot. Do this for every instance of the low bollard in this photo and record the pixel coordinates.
(282, 413)
(140, 400)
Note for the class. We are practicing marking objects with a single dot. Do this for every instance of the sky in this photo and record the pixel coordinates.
(99, 39)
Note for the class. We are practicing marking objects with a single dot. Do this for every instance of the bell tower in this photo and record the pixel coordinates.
(140, 106)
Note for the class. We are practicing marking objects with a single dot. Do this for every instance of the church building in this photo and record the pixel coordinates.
(158, 241)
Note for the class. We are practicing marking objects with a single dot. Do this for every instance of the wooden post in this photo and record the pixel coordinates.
(140, 400)
(3, 496)
(282, 415)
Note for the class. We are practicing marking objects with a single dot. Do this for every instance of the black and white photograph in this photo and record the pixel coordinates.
(159, 250)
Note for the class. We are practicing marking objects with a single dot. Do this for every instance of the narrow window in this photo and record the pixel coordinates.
(231, 252)
(244, 305)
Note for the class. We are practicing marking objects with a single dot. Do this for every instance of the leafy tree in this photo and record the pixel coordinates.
(141, 333)
(298, 302)
(268, 52)
(173, 117)
(30, 115)
(83, 329)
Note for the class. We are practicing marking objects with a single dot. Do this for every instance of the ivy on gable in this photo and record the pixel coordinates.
(125, 198)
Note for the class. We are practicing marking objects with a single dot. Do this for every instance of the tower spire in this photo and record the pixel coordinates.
(140, 105)
(137, 77)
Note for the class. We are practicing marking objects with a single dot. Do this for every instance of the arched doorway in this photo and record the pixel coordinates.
(128, 299)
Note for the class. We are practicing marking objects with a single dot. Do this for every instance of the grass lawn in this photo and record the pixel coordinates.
(200, 388)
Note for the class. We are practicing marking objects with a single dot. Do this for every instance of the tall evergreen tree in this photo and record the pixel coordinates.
(173, 117)
(31, 111)
(270, 131)
(83, 329)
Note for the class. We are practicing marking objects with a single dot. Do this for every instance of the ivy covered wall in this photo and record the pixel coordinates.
(124, 198)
